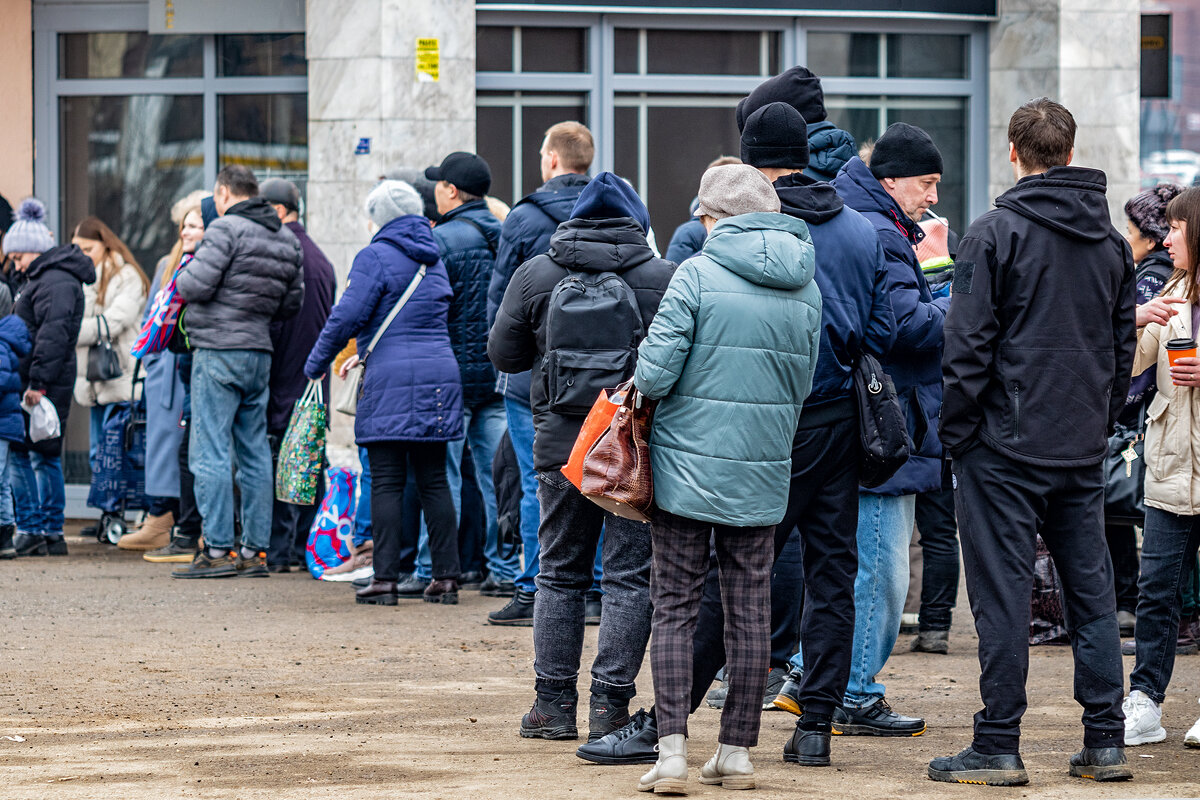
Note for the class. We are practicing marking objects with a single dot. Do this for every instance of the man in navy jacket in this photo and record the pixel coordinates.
(893, 194)
(567, 153)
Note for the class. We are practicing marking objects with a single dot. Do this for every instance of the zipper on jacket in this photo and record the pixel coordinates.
(1016, 410)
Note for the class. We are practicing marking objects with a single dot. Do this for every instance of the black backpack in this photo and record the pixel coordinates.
(593, 328)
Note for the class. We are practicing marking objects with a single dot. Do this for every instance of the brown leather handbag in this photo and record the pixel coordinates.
(616, 470)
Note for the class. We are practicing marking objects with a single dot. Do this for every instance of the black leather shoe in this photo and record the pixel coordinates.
(518, 613)
(471, 580)
(56, 546)
(971, 767)
(444, 592)
(377, 593)
(494, 588)
(360, 583)
(877, 719)
(807, 748)
(7, 532)
(636, 743)
(411, 588)
(28, 544)
(552, 716)
(1101, 764)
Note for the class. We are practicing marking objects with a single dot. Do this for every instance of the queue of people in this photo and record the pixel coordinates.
(483, 337)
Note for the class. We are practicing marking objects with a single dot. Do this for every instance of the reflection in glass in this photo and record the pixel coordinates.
(261, 54)
(128, 55)
(706, 52)
(923, 55)
(553, 49)
(844, 55)
(267, 133)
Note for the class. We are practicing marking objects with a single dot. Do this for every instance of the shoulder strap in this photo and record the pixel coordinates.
(491, 246)
(412, 287)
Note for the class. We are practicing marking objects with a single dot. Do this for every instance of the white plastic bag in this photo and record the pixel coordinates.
(43, 420)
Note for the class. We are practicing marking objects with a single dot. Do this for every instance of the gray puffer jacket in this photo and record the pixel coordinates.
(248, 271)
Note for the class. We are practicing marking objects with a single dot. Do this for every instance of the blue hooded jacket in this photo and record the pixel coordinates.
(829, 148)
(411, 389)
(467, 238)
(15, 344)
(914, 362)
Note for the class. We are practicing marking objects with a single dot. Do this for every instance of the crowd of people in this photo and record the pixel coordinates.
(485, 334)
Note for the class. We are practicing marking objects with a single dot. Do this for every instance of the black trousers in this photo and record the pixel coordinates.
(939, 554)
(1122, 549)
(823, 504)
(390, 464)
(188, 520)
(1002, 505)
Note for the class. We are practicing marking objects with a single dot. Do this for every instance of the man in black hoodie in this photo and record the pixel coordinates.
(247, 273)
(575, 316)
(1039, 345)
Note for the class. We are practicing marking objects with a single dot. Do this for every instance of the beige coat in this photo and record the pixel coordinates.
(1172, 420)
(122, 310)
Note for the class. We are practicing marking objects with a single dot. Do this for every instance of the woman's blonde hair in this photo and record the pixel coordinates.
(176, 254)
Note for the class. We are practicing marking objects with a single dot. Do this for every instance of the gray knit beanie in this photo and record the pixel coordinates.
(392, 199)
(1148, 210)
(734, 189)
(28, 233)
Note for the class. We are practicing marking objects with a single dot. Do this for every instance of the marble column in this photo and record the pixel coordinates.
(1085, 54)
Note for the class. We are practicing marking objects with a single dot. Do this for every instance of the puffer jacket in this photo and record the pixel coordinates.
(248, 271)
(686, 241)
(411, 390)
(50, 303)
(1173, 419)
(469, 255)
(14, 345)
(915, 361)
(732, 354)
(122, 310)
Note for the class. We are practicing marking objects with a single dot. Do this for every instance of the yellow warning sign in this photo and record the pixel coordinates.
(428, 60)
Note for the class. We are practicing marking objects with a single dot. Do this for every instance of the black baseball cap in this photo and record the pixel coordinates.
(467, 171)
(277, 191)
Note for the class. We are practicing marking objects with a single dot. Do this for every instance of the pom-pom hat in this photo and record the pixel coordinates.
(28, 233)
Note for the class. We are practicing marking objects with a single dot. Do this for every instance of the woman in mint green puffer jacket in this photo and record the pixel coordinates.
(731, 354)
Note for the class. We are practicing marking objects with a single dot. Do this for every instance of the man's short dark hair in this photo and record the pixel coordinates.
(1043, 133)
(239, 180)
(467, 197)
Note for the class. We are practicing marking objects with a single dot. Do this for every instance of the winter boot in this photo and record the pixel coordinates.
(552, 715)
(730, 767)
(606, 713)
(669, 773)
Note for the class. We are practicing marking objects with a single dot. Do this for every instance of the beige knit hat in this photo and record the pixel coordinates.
(733, 189)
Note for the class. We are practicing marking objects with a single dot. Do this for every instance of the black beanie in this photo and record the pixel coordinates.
(904, 151)
(798, 87)
(775, 136)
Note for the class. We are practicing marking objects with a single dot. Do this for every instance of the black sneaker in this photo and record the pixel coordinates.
(788, 698)
(776, 679)
(593, 608)
(253, 567)
(877, 719)
(56, 546)
(177, 551)
(6, 541)
(494, 588)
(205, 566)
(807, 748)
(518, 613)
(636, 743)
(605, 715)
(552, 716)
(1101, 764)
(412, 587)
(29, 544)
(976, 768)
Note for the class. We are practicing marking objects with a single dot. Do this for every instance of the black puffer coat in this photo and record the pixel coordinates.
(467, 238)
(51, 305)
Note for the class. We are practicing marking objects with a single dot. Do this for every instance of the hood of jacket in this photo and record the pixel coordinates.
(478, 212)
(766, 248)
(1069, 200)
(863, 192)
(1158, 262)
(412, 235)
(14, 334)
(67, 257)
(257, 209)
(802, 197)
(606, 196)
(599, 245)
(829, 148)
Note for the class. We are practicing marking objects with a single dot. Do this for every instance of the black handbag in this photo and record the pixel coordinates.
(103, 362)
(1125, 473)
(886, 444)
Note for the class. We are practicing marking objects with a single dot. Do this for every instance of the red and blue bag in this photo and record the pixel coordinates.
(329, 539)
(161, 321)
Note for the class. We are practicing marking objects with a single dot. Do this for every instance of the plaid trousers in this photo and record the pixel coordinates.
(744, 555)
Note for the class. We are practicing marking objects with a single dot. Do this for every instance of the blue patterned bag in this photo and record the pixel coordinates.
(329, 539)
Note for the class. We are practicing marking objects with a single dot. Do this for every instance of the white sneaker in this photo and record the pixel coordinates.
(1192, 737)
(1143, 720)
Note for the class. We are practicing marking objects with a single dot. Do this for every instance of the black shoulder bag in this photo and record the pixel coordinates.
(103, 362)
(886, 444)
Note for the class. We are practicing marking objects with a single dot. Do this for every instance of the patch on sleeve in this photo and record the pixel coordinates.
(964, 277)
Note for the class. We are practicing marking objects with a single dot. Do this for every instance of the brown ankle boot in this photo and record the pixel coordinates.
(154, 533)
(443, 591)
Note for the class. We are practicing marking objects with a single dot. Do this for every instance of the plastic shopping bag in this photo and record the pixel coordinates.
(302, 452)
(594, 426)
(333, 529)
(43, 420)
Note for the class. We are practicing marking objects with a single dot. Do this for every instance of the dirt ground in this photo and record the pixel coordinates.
(124, 683)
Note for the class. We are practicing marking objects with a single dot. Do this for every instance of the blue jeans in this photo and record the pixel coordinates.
(229, 418)
(520, 430)
(38, 493)
(484, 426)
(6, 495)
(362, 512)
(885, 526)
